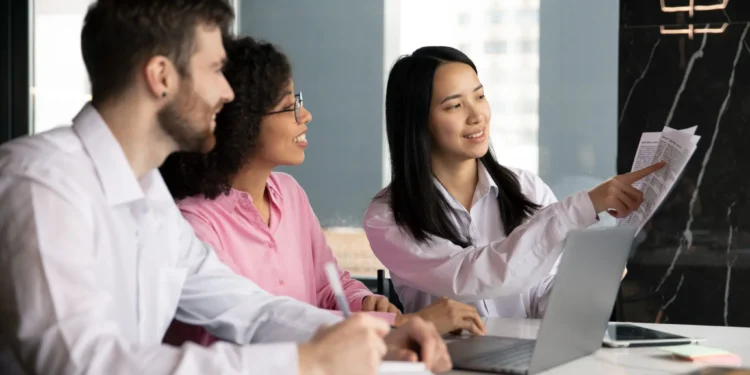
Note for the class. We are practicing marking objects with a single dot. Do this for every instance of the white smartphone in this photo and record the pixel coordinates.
(623, 335)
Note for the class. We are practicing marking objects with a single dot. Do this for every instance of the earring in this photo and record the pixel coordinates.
(164, 94)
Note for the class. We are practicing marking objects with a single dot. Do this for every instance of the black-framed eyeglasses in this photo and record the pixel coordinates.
(297, 106)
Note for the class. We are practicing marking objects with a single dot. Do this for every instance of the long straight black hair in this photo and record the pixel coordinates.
(417, 204)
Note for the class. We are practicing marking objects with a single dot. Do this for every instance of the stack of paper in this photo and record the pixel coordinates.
(704, 354)
(675, 147)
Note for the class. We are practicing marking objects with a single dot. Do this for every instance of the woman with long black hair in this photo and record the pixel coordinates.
(454, 222)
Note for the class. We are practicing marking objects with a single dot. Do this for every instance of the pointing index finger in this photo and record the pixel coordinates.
(632, 177)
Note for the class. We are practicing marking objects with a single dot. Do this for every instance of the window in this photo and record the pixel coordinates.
(495, 47)
(499, 107)
(526, 79)
(496, 17)
(528, 16)
(528, 46)
(496, 76)
(529, 106)
(57, 97)
(464, 19)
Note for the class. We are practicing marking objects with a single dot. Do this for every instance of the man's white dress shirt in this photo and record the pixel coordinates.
(95, 263)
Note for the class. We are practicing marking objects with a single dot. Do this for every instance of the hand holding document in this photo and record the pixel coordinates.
(675, 147)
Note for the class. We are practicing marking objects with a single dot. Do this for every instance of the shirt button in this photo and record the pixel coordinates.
(270, 245)
(281, 282)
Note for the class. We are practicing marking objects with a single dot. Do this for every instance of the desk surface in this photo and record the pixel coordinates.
(631, 361)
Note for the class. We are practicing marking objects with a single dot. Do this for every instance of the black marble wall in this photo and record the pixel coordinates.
(692, 263)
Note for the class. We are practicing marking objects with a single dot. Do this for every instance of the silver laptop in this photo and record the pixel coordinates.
(577, 314)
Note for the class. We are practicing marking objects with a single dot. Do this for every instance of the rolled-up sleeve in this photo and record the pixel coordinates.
(510, 266)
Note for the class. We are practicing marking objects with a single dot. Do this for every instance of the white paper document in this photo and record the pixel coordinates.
(675, 147)
(403, 368)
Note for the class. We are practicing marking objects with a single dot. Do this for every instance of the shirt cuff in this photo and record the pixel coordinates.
(357, 298)
(578, 211)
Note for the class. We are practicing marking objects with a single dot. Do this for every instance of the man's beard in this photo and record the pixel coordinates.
(181, 118)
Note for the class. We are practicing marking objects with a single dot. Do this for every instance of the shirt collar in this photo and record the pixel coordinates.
(229, 201)
(119, 183)
(485, 185)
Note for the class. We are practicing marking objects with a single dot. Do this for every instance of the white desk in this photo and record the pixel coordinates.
(639, 361)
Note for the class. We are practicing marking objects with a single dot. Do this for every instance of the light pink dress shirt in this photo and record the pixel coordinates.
(502, 276)
(285, 257)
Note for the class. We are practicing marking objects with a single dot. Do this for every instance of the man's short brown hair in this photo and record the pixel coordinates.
(119, 36)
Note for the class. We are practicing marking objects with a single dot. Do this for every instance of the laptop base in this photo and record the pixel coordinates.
(501, 355)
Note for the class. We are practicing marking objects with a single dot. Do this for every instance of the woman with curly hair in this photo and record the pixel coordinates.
(260, 222)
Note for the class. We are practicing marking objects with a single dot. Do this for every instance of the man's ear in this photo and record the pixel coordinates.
(160, 76)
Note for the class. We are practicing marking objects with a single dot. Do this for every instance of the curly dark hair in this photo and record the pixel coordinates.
(259, 73)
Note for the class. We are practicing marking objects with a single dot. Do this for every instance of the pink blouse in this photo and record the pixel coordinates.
(285, 257)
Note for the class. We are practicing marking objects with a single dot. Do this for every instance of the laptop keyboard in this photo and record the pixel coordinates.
(489, 353)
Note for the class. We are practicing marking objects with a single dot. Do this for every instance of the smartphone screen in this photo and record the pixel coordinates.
(627, 332)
